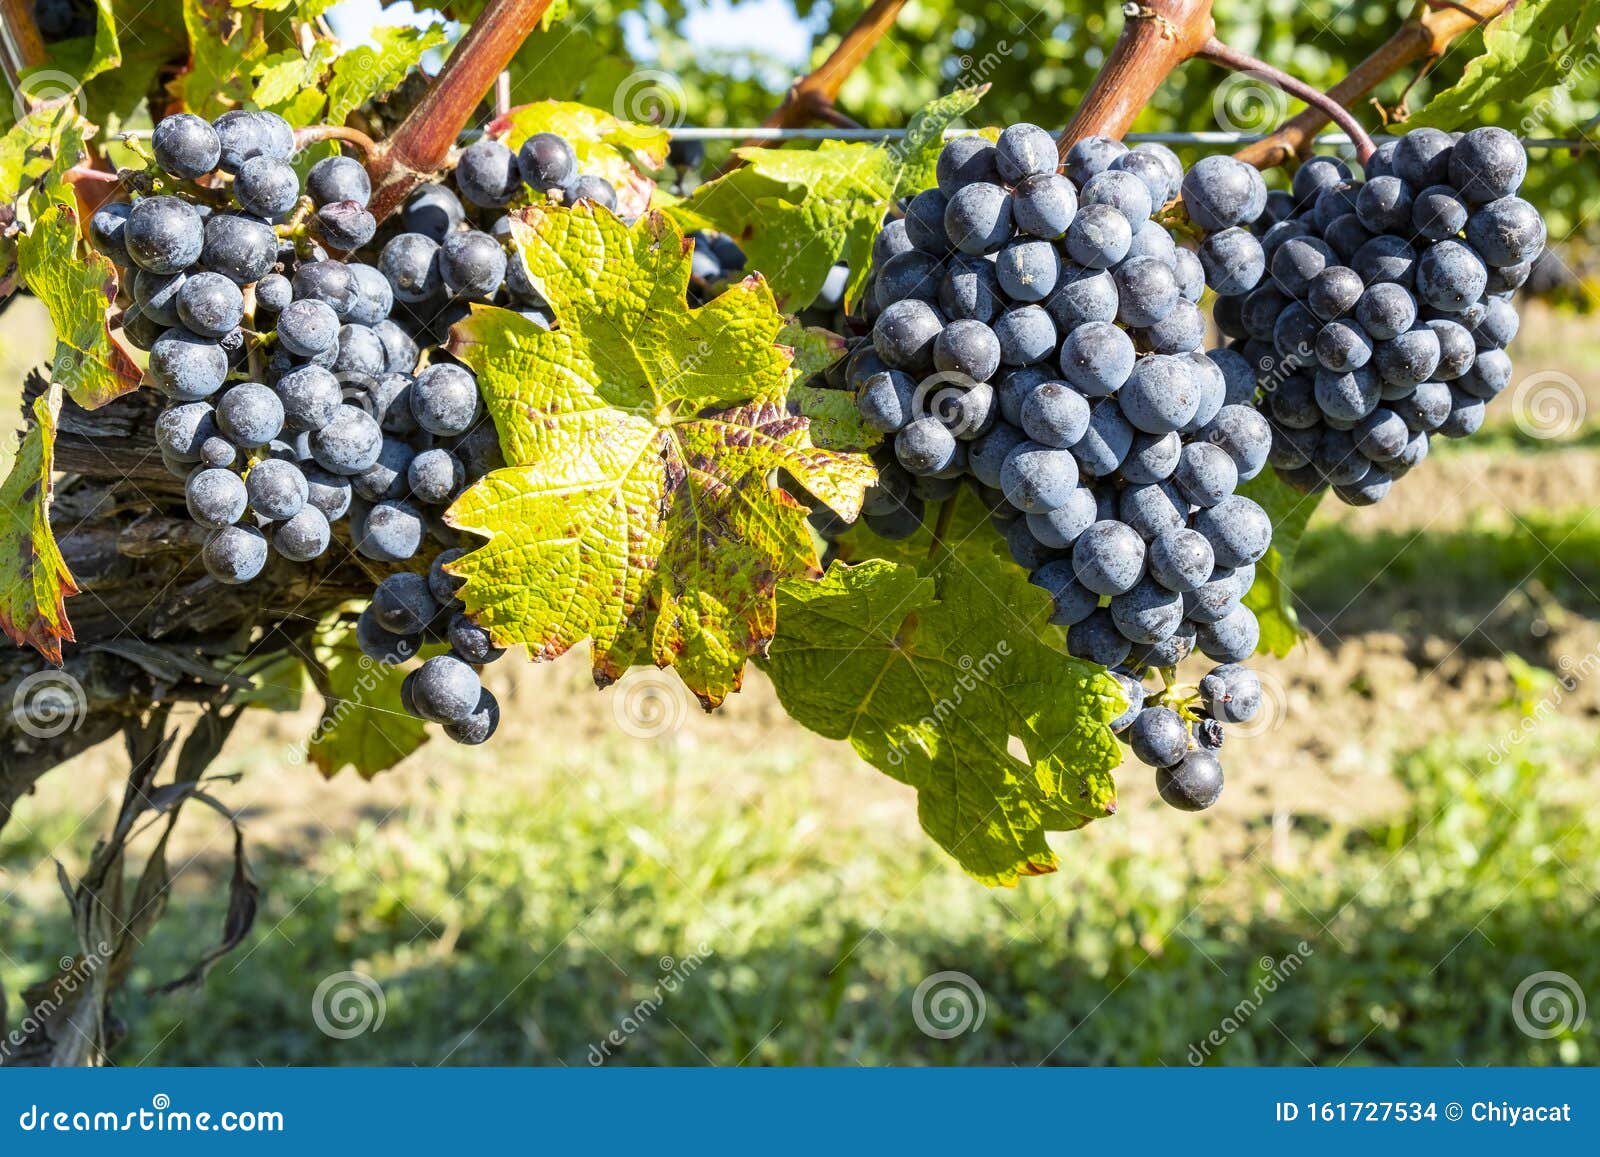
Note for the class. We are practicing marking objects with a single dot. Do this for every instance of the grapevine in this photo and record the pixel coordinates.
(410, 398)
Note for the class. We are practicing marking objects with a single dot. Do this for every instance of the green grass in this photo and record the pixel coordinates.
(523, 929)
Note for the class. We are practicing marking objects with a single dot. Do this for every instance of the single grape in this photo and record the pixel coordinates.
(1024, 150)
(1158, 737)
(391, 532)
(444, 399)
(1487, 163)
(1231, 638)
(1422, 157)
(387, 477)
(1160, 394)
(447, 690)
(1147, 612)
(472, 264)
(234, 554)
(1060, 528)
(886, 400)
(1205, 474)
(1239, 530)
(926, 446)
(904, 334)
(1181, 560)
(1026, 335)
(1108, 557)
(411, 263)
(1152, 458)
(472, 642)
(242, 249)
(1097, 358)
(1193, 784)
(1234, 261)
(436, 476)
(216, 498)
(1028, 269)
(967, 347)
(1054, 414)
(250, 414)
(1096, 639)
(443, 585)
(1098, 237)
(1042, 205)
(163, 234)
(1147, 291)
(978, 218)
(304, 537)
(349, 443)
(185, 146)
(487, 173)
(1090, 156)
(965, 161)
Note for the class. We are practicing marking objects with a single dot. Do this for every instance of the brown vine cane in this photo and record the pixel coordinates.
(1156, 38)
(1425, 35)
(421, 146)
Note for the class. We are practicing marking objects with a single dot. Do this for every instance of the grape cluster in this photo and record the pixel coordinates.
(305, 386)
(1387, 310)
(1038, 334)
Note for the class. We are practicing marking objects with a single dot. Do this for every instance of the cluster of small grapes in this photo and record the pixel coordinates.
(1038, 333)
(451, 249)
(297, 390)
(1387, 309)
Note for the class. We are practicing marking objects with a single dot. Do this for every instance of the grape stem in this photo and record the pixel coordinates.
(1427, 34)
(420, 147)
(314, 133)
(1157, 36)
(941, 527)
(1231, 58)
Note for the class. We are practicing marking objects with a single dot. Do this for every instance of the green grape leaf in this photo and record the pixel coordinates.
(1270, 597)
(797, 212)
(34, 580)
(637, 508)
(836, 423)
(37, 151)
(107, 51)
(224, 51)
(1529, 48)
(364, 725)
(607, 146)
(290, 84)
(936, 674)
(76, 284)
(366, 72)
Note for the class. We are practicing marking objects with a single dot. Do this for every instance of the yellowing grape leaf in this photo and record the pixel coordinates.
(224, 48)
(76, 284)
(607, 146)
(1270, 597)
(638, 507)
(34, 580)
(934, 673)
(797, 212)
(364, 725)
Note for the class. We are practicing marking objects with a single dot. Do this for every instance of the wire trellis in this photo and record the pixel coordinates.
(1225, 139)
(764, 133)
